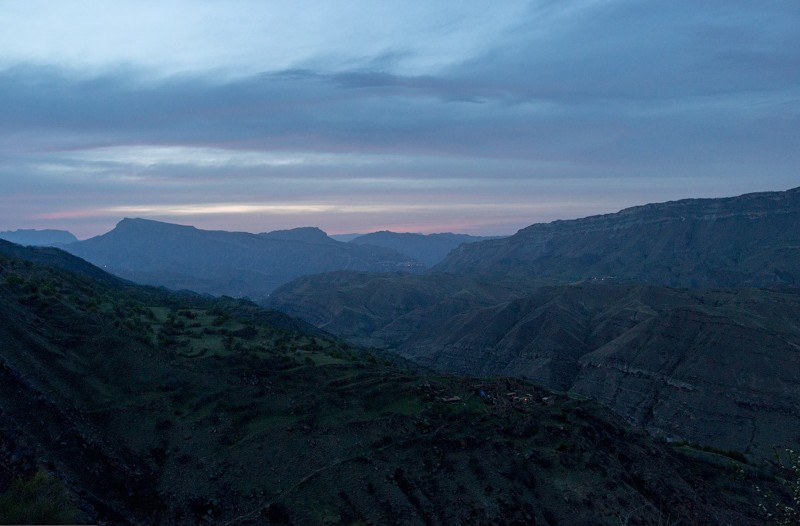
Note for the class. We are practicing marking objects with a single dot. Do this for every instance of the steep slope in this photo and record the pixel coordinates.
(38, 237)
(53, 257)
(750, 240)
(428, 249)
(233, 263)
(165, 408)
(720, 368)
(723, 371)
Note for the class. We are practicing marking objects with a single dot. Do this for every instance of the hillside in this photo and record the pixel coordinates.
(428, 249)
(54, 257)
(712, 365)
(716, 367)
(231, 263)
(163, 408)
(750, 240)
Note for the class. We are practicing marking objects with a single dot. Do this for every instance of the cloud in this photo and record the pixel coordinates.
(589, 104)
(244, 37)
(378, 113)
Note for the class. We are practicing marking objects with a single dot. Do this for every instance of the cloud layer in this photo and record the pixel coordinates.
(378, 115)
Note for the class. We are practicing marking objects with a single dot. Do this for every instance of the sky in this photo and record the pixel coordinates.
(472, 116)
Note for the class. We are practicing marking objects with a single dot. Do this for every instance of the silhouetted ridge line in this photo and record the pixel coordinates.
(750, 240)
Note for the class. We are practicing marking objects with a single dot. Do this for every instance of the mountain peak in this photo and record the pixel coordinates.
(307, 234)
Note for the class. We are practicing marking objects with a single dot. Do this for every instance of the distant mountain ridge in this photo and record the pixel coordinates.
(749, 240)
(31, 237)
(230, 263)
(429, 249)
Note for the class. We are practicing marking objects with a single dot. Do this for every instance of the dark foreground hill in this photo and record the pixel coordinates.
(428, 249)
(54, 257)
(237, 264)
(750, 240)
(716, 367)
(129, 405)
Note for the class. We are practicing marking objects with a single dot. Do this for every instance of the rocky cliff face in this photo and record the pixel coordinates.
(750, 240)
(710, 374)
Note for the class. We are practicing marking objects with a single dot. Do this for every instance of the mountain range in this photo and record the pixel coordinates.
(166, 407)
(241, 264)
(586, 306)
(236, 264)
(749, 240)
(125, 404)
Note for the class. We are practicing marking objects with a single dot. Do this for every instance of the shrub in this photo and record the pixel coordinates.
(14, 280)
(41, 499)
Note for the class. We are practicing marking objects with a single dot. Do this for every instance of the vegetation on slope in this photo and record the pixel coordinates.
(155, 407)
(715, 367)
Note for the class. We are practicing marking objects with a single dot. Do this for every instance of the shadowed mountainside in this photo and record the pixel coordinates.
(717, 367)
(232, 263)
(164, 408)
(428, 249)
(749, 240)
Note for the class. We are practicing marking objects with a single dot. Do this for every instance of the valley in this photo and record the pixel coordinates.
(171, 408)
(358, 263)
(562, 375)
(716, 367)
